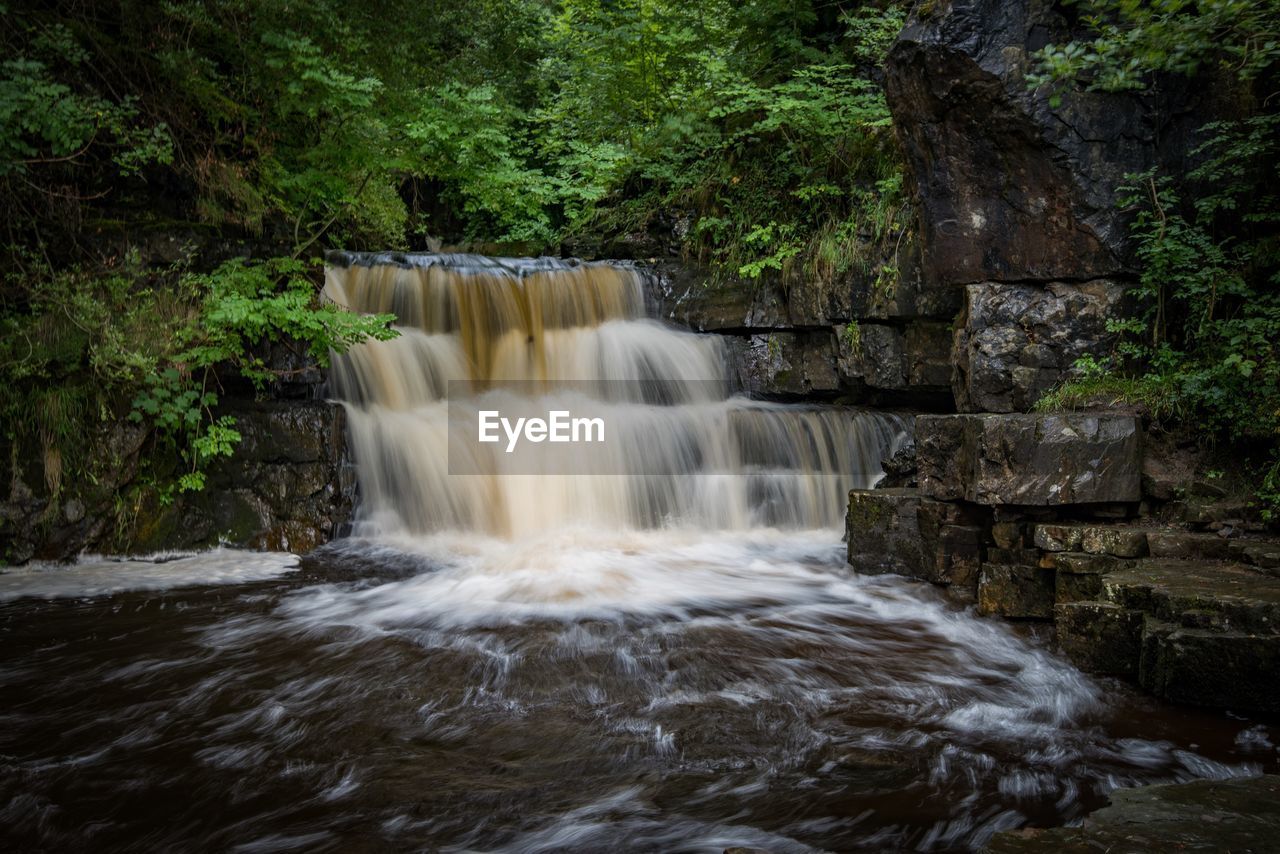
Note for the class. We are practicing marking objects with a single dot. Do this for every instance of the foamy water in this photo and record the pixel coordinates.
(93, 575)
(651, 690)
(657, 648)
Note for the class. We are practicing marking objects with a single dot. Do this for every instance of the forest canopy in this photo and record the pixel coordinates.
(174, 170)
(149, 149)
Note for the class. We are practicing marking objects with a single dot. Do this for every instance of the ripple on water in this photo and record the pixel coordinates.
(650, 691)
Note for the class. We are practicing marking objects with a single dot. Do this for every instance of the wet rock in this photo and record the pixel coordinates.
(928, 351)
(1264, 555)
(1239, 815)
(875, 353)
(1016, 591)
(39, 522)
(1186, 544)
(73, 510)
(692, 297)
(1232, 670)
(1016, 342)
(942, 442)
(908, 295)
(1093, 539)
(1009, 535)
(1079, 576)
(1099, 637)
(289, 486)
(902, 532)
(1076, 458)
(1243, 599)
(900, 469)
(786, 363)
(1010, 187)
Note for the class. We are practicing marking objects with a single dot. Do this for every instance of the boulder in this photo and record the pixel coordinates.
(1099, 637)
(1240, 814)
(1012, 188)
(1016, 591)
(1014, 342)
(902, 532)
(1032, 460)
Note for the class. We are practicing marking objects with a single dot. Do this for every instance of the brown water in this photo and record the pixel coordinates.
(651, 646)
(744, 690)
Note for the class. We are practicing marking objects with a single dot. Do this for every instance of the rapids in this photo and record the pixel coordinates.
(653, 646)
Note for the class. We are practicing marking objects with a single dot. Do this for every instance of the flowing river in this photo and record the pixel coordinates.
(651, 645)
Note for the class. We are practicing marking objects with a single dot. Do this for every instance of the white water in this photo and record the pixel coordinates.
(103, 576)
(654, 648)
(526, 338)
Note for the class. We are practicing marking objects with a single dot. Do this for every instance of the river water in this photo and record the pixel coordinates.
(650, 645)
(642, 692)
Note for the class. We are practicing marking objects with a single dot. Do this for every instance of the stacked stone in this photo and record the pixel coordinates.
(1040, 517)
(1055, 516)
(859, 336)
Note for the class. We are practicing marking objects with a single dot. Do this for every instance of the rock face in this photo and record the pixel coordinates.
(1030, 459)
(1012, 189)
(902, 532)
(838, 336)
(1015, 342)
(785, 363)
(1204, 815)
(38, 522)
(290, 485)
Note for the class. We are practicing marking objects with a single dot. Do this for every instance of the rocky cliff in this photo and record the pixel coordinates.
(1148, 571)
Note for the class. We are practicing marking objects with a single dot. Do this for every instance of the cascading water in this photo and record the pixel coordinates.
(652, 645)
(541, 335)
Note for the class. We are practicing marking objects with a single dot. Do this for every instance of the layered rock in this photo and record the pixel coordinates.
(1012, 188)
(289, 485)
(902, 532)
(848, 336)
(1045, 514)
(1072, 458)
(1013, 342)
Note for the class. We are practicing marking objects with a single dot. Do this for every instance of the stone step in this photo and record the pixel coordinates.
(1204, 633)
(1030, 460)
(1241, 814)
(1197, 594)
(902, 532)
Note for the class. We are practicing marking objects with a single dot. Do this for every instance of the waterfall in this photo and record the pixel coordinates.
(530, 336)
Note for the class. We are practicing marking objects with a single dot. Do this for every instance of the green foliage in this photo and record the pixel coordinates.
(291, 128)
(1204, 343)
(1133, 40)
(1095, 383)
(44, 121)
(154, 341)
